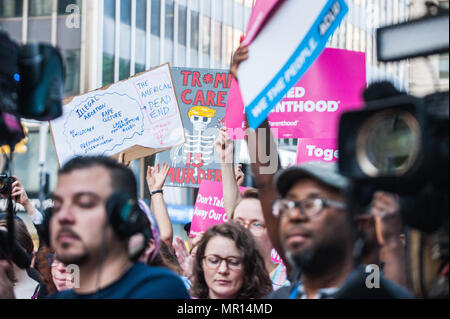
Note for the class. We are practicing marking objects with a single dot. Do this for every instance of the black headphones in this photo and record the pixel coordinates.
(123, 213)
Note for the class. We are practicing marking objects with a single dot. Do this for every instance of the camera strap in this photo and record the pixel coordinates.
(10, 209)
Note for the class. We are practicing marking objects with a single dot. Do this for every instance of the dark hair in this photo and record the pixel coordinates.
(122, 178)
(166, 258)
(256, 282)
(21, 234)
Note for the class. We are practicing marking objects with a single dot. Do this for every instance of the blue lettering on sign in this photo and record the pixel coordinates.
(125, 124)
(150, 90)
(160, 112)
(89, 114)
(86, 106)
(306, 53)
(74, 133)
(109, 115)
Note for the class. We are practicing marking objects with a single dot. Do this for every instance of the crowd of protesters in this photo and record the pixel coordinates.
(124, 249)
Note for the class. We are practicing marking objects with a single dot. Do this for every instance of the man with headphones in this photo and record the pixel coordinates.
(94, 216)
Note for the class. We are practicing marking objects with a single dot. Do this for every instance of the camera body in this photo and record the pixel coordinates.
(399, 143)
(31, 85)
(6, 184)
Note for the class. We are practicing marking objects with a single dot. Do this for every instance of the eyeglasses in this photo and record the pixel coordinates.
(309, 207)
(256, 228)
(52, 260)
(214, 262)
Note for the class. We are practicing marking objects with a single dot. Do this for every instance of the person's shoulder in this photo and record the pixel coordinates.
(363, 284)
(395, 290)
(281, 293)
(153, 271)
(158, 282)
(65, 294)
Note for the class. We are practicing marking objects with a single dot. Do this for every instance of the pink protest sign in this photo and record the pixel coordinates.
(260, 13)
(316, 149)
(209, 209)
(312, 108)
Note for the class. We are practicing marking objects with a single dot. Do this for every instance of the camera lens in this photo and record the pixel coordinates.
(388, 144)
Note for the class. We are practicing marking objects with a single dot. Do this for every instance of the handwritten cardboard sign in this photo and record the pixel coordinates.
(202, 94)
(138, 116)
(299, 30)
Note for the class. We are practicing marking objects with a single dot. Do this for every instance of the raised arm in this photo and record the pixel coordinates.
(155, 178)
(19, 194)
(264, 162)
(225, 148)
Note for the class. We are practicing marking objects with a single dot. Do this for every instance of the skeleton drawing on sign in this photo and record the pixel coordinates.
(198, 150)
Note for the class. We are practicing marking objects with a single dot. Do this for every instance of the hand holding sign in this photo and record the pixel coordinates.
(239, 56)
(121, 160)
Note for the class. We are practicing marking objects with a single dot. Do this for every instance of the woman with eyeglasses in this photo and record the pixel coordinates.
(246, 210)
(228, 265)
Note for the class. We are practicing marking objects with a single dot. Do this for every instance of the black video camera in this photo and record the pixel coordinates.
(31, 85)
(398, 142)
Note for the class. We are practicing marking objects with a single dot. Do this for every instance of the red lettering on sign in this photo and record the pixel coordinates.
(171, 173)
(230, 77)
(210, 95)
(190, 176)
(200, 176)
(221, 98)
(185, 77)
(183, 97)
(220, 78)
(218, 176)
(198, 162)
(195, 80)
(180, 179)
(210, 174)
(199, 99)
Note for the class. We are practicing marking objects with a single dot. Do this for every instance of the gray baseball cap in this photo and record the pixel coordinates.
(325, 172)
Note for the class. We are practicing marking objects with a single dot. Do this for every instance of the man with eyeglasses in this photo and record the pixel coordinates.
(314, 231)
(309, 222)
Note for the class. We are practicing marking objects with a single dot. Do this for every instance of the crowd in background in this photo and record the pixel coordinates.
(124, 249)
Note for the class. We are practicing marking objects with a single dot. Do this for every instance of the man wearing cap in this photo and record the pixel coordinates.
(312, 229)
(309, 223)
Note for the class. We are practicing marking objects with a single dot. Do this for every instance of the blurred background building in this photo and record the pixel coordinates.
(104, 41)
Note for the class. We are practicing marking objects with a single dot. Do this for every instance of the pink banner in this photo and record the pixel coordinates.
(316, 149)
(209, 208)
(312, 108)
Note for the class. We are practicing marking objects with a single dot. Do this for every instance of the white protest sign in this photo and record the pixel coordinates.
(138, 116)
(287, 45)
